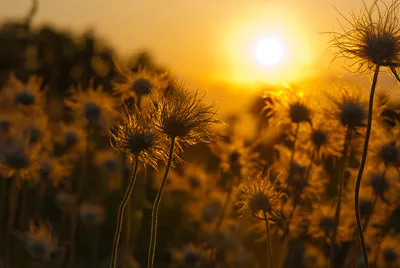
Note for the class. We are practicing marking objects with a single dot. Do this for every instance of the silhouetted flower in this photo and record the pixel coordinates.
(40, 242)
(372, 37)
(95, 107)
(134, 134)
(182, 115)
(259, 195)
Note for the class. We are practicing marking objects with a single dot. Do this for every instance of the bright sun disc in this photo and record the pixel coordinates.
(269, 51)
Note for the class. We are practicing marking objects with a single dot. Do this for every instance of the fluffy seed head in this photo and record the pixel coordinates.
(299, 112)
(389, 153)
(134, 134)
(319, 138)
(372, 37)
(390, 255)
(183, 116)
(260, 195)
(39, 242)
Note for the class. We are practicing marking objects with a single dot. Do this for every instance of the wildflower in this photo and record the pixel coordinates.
(17, 158)
(193, 179)
(193, 256)
(182, 116)
(385, 148)
(54, 169)
(349, 106)
(134, 134)
(372, 37)
(390, 251)
(91, 215)
(237, 157)
(65, 201)
(288, 106)
(40, 242)
(206, 211)
(96, 107)
(321, 139)
(139, 84)
(25, 96)
(72, 139)
(107, 161)
(259, 195)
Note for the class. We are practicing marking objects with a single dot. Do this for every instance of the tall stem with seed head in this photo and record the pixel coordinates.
(154, 213)
(362, 165)
(120, 217)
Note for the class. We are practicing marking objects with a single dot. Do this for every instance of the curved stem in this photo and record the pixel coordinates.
(120, 218)
(361, 169)
(269, 241)
(154, 214)
(347, 141)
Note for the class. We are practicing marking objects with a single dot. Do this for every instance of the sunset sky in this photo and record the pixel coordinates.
(207, 41)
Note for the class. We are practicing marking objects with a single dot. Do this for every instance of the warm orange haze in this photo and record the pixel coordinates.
(206, 42)
(199, 134)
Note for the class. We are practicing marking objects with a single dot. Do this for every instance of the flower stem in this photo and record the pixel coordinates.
(347, 141)
(120, 218)
(269, 246)
(361, 169)
(226, 205)
(154, 214)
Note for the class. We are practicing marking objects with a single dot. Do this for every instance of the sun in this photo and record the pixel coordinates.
(269, 51)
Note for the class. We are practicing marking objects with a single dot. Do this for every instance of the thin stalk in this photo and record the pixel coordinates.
(296, 132)
(269, 245)
(120, 217)
(154, 213)
(361, 169)
(347, 141)
(303, 186)
(128, 212)
(225, 206)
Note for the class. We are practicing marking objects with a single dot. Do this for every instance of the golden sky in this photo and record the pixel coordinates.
(206, 41)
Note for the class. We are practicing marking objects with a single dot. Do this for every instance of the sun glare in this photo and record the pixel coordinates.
(269, 51)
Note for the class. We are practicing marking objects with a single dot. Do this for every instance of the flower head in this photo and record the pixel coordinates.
(237, 158)
(91, 214)
(193, 256)
(183, 116)
(65, 201)
(95, 107)
(372, 37)
(288, 107)
(348, 106)
(27, 97)
(40, 242)
(134, 134)
(260, 195)
(139, 84)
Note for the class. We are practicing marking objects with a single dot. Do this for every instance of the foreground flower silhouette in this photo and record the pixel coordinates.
(372, 40)
(133, 134)
(185, 120)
